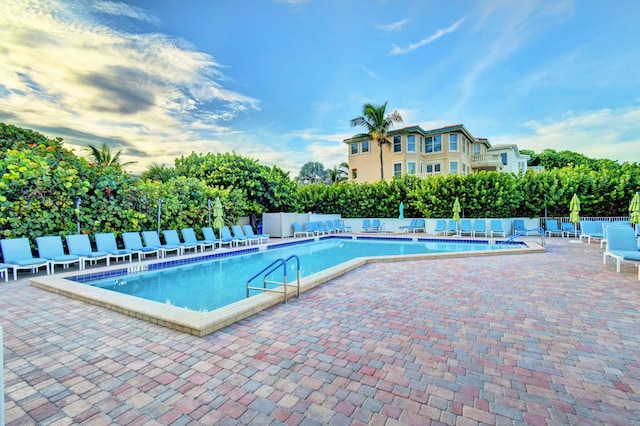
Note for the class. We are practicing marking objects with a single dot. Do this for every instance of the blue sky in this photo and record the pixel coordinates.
(279, 80)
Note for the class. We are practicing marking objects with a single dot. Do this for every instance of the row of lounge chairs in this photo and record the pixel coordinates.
(318, 228)
(467, 227)
(17, 253)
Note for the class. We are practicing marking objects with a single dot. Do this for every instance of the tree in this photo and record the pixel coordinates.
(377, 124)
(312, 172)
(102, 156)
(157, 171)
(339, 173)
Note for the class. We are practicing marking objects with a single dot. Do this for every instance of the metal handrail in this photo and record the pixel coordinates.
(526, 232)
(272, 267)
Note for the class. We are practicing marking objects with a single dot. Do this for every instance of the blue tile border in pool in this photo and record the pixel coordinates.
(449, 240)
(385, 238)
(291, 243)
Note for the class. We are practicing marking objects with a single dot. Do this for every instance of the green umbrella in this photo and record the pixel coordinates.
(574, 207)
(456, 210)
(634, 209)
(218, 222)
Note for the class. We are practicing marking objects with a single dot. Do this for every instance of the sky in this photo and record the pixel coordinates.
(279, 80)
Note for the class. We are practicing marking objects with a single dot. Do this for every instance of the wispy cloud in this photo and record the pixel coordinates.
(394, 26)
(134, 89)
(368, 72)
(441, 32)
(604, 133)
(121, 9)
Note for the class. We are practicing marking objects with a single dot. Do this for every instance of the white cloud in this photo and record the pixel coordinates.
(121, 9)
(394, 26)
(62, 70)
(605, 133)
(441, 32)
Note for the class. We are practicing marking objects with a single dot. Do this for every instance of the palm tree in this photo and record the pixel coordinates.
(102, 156)
(339, 173)
(377, 124)
(157, 171)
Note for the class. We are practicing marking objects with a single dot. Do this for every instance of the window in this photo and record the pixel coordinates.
(411, 143)
(433, 168)
(354, 148)
(354, 173)
(397, 169)
(476, 149)
(433, 144)
(397, 144)
(453, 167)
(365, 147)
(453, 142)
(504, 158)
(411, 168)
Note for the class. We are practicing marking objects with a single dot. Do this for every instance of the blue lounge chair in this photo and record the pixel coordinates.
(366, 225)
(339, 226)
(479, 227)
(189, 236)
(465, 227)
(452, 227)
(4, 272)
(238, 233)
(315, 228)
(551, 228)
(171, 238)
(133, 242)
(591, 229)
(225, 236)
(209, 235)
(298, 231)
(441, 227)
(376, 225)
(17, 255)
(248, 231)
(568, 228)
(496, 227)
(410, 226)
(106, 242)
(152, 239)
(51, 248)
(80, 245)
(622, 245)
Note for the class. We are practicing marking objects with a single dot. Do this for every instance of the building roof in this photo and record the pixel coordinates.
(440, 130)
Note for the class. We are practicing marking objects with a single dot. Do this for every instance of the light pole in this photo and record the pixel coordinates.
(160, 203)
(209, 202)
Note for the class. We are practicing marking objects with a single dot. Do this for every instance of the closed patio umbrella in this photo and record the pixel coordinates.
(218, 222)
(574, 207)
(401, 208)
(634, 209)
(456, 210)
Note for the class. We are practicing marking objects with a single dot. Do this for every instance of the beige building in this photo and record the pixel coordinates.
(414, 151)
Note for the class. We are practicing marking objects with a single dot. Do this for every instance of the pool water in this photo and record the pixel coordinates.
(208, 285)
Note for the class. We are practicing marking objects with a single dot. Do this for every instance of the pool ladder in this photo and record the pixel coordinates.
(526, 232)
(272, 267)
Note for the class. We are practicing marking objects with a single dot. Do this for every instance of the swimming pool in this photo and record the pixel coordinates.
(201, 322)
(209, 285)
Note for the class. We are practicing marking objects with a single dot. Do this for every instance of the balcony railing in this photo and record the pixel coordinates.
(486, 161)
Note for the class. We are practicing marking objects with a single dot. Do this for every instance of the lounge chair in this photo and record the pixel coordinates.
(17, 255)
(452, 227)
(465, 227)
(248, 231)
(189, 236)
(519, 227)
(209, 235)
(133, 242)
(298, 231)
(569, 228)
(479, 227)
(152, 239)
(411, 225)
(622, 245)
(315, 228)
(171, 237)
(331, 227)
(551, 228)
(420, 225)
(591, 229)
(51, 248)
(339, 226)
(376, 225)
(320, 225)
(366, 225)
(238, 233)
(496, 227)
(106, 242)
(441, 227)
(225, 236)
(4, 272)
(80, 245)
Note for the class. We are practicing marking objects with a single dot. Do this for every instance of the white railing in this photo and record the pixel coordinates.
(487, 158)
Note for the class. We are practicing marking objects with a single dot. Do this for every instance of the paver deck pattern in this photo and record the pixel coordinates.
(550, 338)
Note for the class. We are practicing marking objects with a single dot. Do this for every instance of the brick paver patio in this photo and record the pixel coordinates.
(551, 338)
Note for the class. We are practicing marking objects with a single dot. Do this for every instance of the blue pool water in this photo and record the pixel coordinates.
(208, 285)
